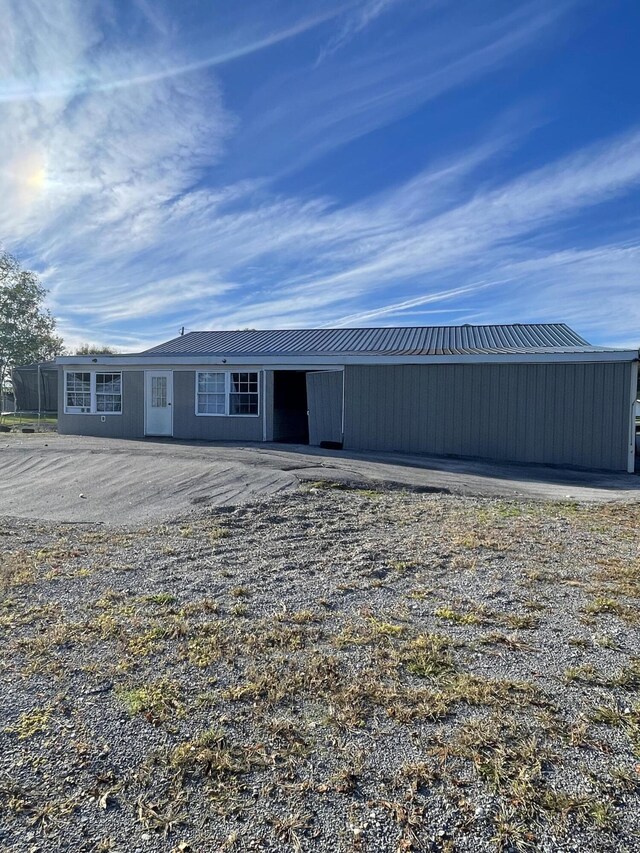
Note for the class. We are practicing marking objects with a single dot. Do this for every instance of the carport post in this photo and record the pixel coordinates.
(39, 394)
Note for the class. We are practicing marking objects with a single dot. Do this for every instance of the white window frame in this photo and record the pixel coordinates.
(93, 409)
(227, 394)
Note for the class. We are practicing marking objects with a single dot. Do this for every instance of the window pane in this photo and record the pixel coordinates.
(108, 403)
(79, 390)
(78, 381)
(75, 400)
(158, 392)
(244, 383)
(243, 404)
(211, 404)
(212, 383)
(107, 383)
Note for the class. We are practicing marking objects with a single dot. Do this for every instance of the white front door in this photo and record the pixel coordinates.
(158, 400)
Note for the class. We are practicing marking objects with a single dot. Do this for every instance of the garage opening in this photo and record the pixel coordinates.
(290, 421)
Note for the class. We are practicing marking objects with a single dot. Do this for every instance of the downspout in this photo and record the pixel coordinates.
(264, 404)
(631, 465)
(344, 370)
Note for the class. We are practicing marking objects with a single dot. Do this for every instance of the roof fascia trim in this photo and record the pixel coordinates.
(309, 362)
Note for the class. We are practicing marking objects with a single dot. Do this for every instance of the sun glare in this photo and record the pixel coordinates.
(36, 179)
(28, 174)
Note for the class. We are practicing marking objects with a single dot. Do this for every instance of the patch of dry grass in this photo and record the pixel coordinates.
(260, 677)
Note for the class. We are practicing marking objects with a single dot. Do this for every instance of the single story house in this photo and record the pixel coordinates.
(536, 393)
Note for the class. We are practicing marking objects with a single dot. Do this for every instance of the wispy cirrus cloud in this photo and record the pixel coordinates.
(148, 202)
(355, 21)
(297, 116)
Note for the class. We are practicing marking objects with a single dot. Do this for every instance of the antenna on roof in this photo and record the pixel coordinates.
(182, 331)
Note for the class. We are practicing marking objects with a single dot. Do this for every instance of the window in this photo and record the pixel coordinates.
(243, 394)
(78, 397)
(158, 392)
(108, 392)
(227, 393)
(211, 394)
(93, 393)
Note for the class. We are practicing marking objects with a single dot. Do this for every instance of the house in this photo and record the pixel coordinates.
(534, 393)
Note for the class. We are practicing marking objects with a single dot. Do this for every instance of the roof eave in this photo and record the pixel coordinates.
(270, 360)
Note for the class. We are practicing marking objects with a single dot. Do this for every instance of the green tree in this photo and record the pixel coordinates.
(27, 328)
(95, 349)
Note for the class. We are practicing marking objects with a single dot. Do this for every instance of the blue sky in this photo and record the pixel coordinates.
(274, 163)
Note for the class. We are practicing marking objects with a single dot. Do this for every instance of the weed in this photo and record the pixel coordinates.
(602, 604)
(606, 641)
(205, 650)
(416, 776)
(18, 569)
(625, 780)
(509, 641)
(579, 642)
(160, 816)
(628, 677)
(240, 592)
(204, 605)
(402, 566)
(513, 620)
(31, 723)
(299, 617)
(323, 485)
(372, 631)
(211, 754)
(458, 617)
(218, 533)
(161, 598)
(428, 655)
(147, 643)
(621, 576)
(157, 701)
(288, 828)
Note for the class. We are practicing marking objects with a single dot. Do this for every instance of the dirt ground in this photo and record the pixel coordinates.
(326, 669)
(77, 479)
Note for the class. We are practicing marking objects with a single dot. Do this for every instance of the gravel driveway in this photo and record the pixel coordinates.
(75, 478)
(330, 669)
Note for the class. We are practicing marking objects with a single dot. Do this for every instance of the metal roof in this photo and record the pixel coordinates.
(399, 341)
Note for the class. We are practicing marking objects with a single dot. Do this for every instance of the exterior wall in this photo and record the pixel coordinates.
(560, 414)
(188, 425)
(130, 424)
(324, 398)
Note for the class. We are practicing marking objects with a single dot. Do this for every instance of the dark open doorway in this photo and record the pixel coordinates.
(290, 421)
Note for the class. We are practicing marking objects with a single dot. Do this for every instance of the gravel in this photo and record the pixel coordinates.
(337, 669)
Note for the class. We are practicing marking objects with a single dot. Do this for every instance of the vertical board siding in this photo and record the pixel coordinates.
(188, 425)
(559, 414)
(324, 399)
(130, 424)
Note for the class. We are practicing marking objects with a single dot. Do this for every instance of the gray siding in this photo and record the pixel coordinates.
(560, 414)
(130, 424)
(324, 399)
(186, 424)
